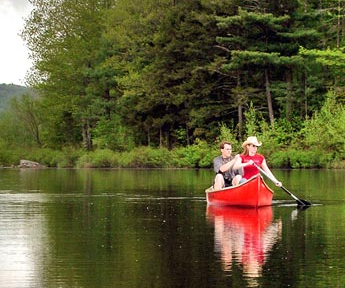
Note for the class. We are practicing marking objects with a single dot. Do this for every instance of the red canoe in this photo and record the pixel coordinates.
(252, 193)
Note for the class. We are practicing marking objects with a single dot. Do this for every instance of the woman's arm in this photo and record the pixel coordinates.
(268, 171)
(238, 164)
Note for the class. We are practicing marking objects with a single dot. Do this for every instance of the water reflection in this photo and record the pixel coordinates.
(22, 239)
(244, 237)
(137, 228)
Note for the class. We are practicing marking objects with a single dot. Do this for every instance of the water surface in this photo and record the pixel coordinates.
(153, 228)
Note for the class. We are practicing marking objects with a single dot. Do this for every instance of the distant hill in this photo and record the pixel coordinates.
(9, 91)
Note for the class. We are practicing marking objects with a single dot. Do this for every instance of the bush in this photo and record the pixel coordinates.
(65, 158)
(69, 158)
(123, 159)
(44, 156)
(304, 159)
(199, 155)
(296, 159)
(279, 159)
(84, 161)
(10, 157)
(148, 157)
(143, 157)
(100, 158)
(326, 130)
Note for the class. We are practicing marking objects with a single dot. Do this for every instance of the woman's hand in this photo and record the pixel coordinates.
(279, 184)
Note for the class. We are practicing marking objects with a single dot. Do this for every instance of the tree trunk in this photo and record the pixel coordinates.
(304, 80)
(289, 94)
(187, 135)
(239, 109)
(269, 98)
(342, 7)
(160, 138)
(36, 133)
(338, 25)
(87, 140)
(148, 137)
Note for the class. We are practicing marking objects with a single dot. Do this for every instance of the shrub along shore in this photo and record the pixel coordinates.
(193, 157)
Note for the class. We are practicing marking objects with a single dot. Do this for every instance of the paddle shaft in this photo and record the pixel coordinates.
(300, 202)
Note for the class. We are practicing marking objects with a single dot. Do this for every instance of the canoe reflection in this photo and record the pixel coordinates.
(244, 236)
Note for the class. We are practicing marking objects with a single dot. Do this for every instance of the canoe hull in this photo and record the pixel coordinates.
(252, 193)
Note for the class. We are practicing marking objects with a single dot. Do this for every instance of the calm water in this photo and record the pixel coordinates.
(137, 228)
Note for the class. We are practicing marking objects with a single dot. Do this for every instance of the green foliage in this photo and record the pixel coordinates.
(125, 74)
(9, 157)
(279, 159)
(26, 110)
(150, 157)
(328, 57)
(298, 159)
(333, 59)
(45, 156)
(225, 133)
(69, 157)
(140, 157)
(303, 159)
(228, 134)
(20, 123)
(283, 135)
(193, 156)
(12, 132)
(111, 134)
(199, 155)
(326, 130)
(68, 61)
(100, 158)
(252, 120)
(65, 158)
(160, 91)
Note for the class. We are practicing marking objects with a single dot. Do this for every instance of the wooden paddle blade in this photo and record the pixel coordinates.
(302, 207)
(301, 202)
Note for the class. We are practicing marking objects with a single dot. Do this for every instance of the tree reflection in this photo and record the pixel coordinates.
(244, 237)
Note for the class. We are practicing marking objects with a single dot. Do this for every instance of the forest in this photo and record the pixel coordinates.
(158, 83)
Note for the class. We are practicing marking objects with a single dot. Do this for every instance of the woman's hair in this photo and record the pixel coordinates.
(245, 150)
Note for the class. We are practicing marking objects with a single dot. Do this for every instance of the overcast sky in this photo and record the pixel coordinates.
(14, 61)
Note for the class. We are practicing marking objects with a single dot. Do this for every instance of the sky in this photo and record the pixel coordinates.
(14, 56)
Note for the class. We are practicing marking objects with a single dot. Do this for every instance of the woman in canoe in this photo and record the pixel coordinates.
(249, 158)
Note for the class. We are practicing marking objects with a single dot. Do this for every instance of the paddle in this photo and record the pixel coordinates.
(300, 202)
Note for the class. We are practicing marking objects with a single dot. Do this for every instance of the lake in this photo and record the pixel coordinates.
(153, 228)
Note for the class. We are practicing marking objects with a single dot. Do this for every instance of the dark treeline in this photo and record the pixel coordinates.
(117, 74)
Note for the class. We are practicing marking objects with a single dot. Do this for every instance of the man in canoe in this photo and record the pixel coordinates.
(250, 159)
(223, 166)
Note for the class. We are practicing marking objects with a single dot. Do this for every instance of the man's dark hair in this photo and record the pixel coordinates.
(221, 145)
